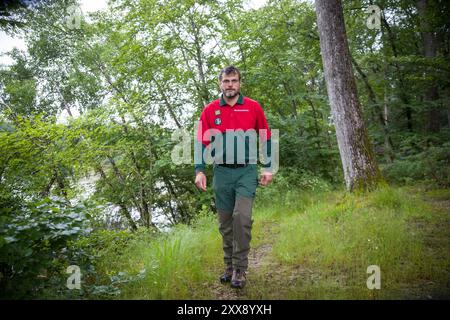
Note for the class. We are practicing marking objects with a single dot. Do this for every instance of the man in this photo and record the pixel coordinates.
(222, 122)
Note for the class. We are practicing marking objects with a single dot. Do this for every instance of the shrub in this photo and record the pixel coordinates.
(33, 238)
(431, 164)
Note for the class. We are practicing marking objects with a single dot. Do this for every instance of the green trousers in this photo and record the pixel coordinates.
(234, 192)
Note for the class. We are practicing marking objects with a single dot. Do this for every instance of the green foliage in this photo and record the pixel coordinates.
(33, 236)
(94, 253)
(286, 185)
(320, 247)
(303, 149)
(142, 264)
(422, 158)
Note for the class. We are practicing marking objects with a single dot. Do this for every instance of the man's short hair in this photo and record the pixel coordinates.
(229, 70)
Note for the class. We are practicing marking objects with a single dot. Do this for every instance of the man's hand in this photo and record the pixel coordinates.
(266, 177)
(200, 181)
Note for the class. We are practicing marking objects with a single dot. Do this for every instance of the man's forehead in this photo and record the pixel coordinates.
(231, 75)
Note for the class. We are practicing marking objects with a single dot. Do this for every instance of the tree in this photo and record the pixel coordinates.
(12, 14)
(360, 168)
(430, 46)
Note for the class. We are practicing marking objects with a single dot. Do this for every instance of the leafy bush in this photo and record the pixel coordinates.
(102, 258)
(33, 238)
(302, 148)
(431, 164)
(286, 185)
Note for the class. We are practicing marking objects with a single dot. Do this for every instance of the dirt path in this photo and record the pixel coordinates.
(256, 262)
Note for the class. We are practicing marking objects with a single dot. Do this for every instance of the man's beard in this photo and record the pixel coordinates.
(230, 93)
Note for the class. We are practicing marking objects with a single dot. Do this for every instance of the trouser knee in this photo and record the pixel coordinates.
(242, 214)
(225, 223)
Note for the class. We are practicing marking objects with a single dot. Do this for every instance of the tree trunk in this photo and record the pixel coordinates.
(430, 50)
(389, 150)
(358, 161)
(44, 193)
(123, 208)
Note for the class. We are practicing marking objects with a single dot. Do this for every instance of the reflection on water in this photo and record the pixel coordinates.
(109, 214)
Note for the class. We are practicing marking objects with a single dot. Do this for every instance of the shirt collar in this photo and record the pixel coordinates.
(239, 101)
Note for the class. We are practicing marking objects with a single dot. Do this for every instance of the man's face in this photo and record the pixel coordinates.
(230, 85)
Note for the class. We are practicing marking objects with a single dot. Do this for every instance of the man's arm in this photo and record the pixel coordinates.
(200, 145)
(265, 136)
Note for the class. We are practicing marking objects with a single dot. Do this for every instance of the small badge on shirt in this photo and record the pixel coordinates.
(217, 121)
(217, 112)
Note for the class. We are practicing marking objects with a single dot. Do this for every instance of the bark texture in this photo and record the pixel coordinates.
(358, 161)
(430, 46)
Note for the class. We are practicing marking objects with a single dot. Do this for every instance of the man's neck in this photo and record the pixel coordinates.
(231, 101)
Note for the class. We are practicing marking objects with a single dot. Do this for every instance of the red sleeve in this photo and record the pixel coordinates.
(201, 142)
(261, 124)
(202, 128)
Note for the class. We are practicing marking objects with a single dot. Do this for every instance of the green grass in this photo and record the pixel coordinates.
(177, 264)
(318, 245)
(341, 239)
(439, 194)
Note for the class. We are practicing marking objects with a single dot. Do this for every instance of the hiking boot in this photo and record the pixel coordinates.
(239, 279)
(227, 275)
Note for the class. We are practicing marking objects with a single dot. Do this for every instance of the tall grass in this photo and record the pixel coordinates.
(177, 264)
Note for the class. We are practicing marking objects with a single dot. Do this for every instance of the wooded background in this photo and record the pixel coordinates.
(96, 103)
